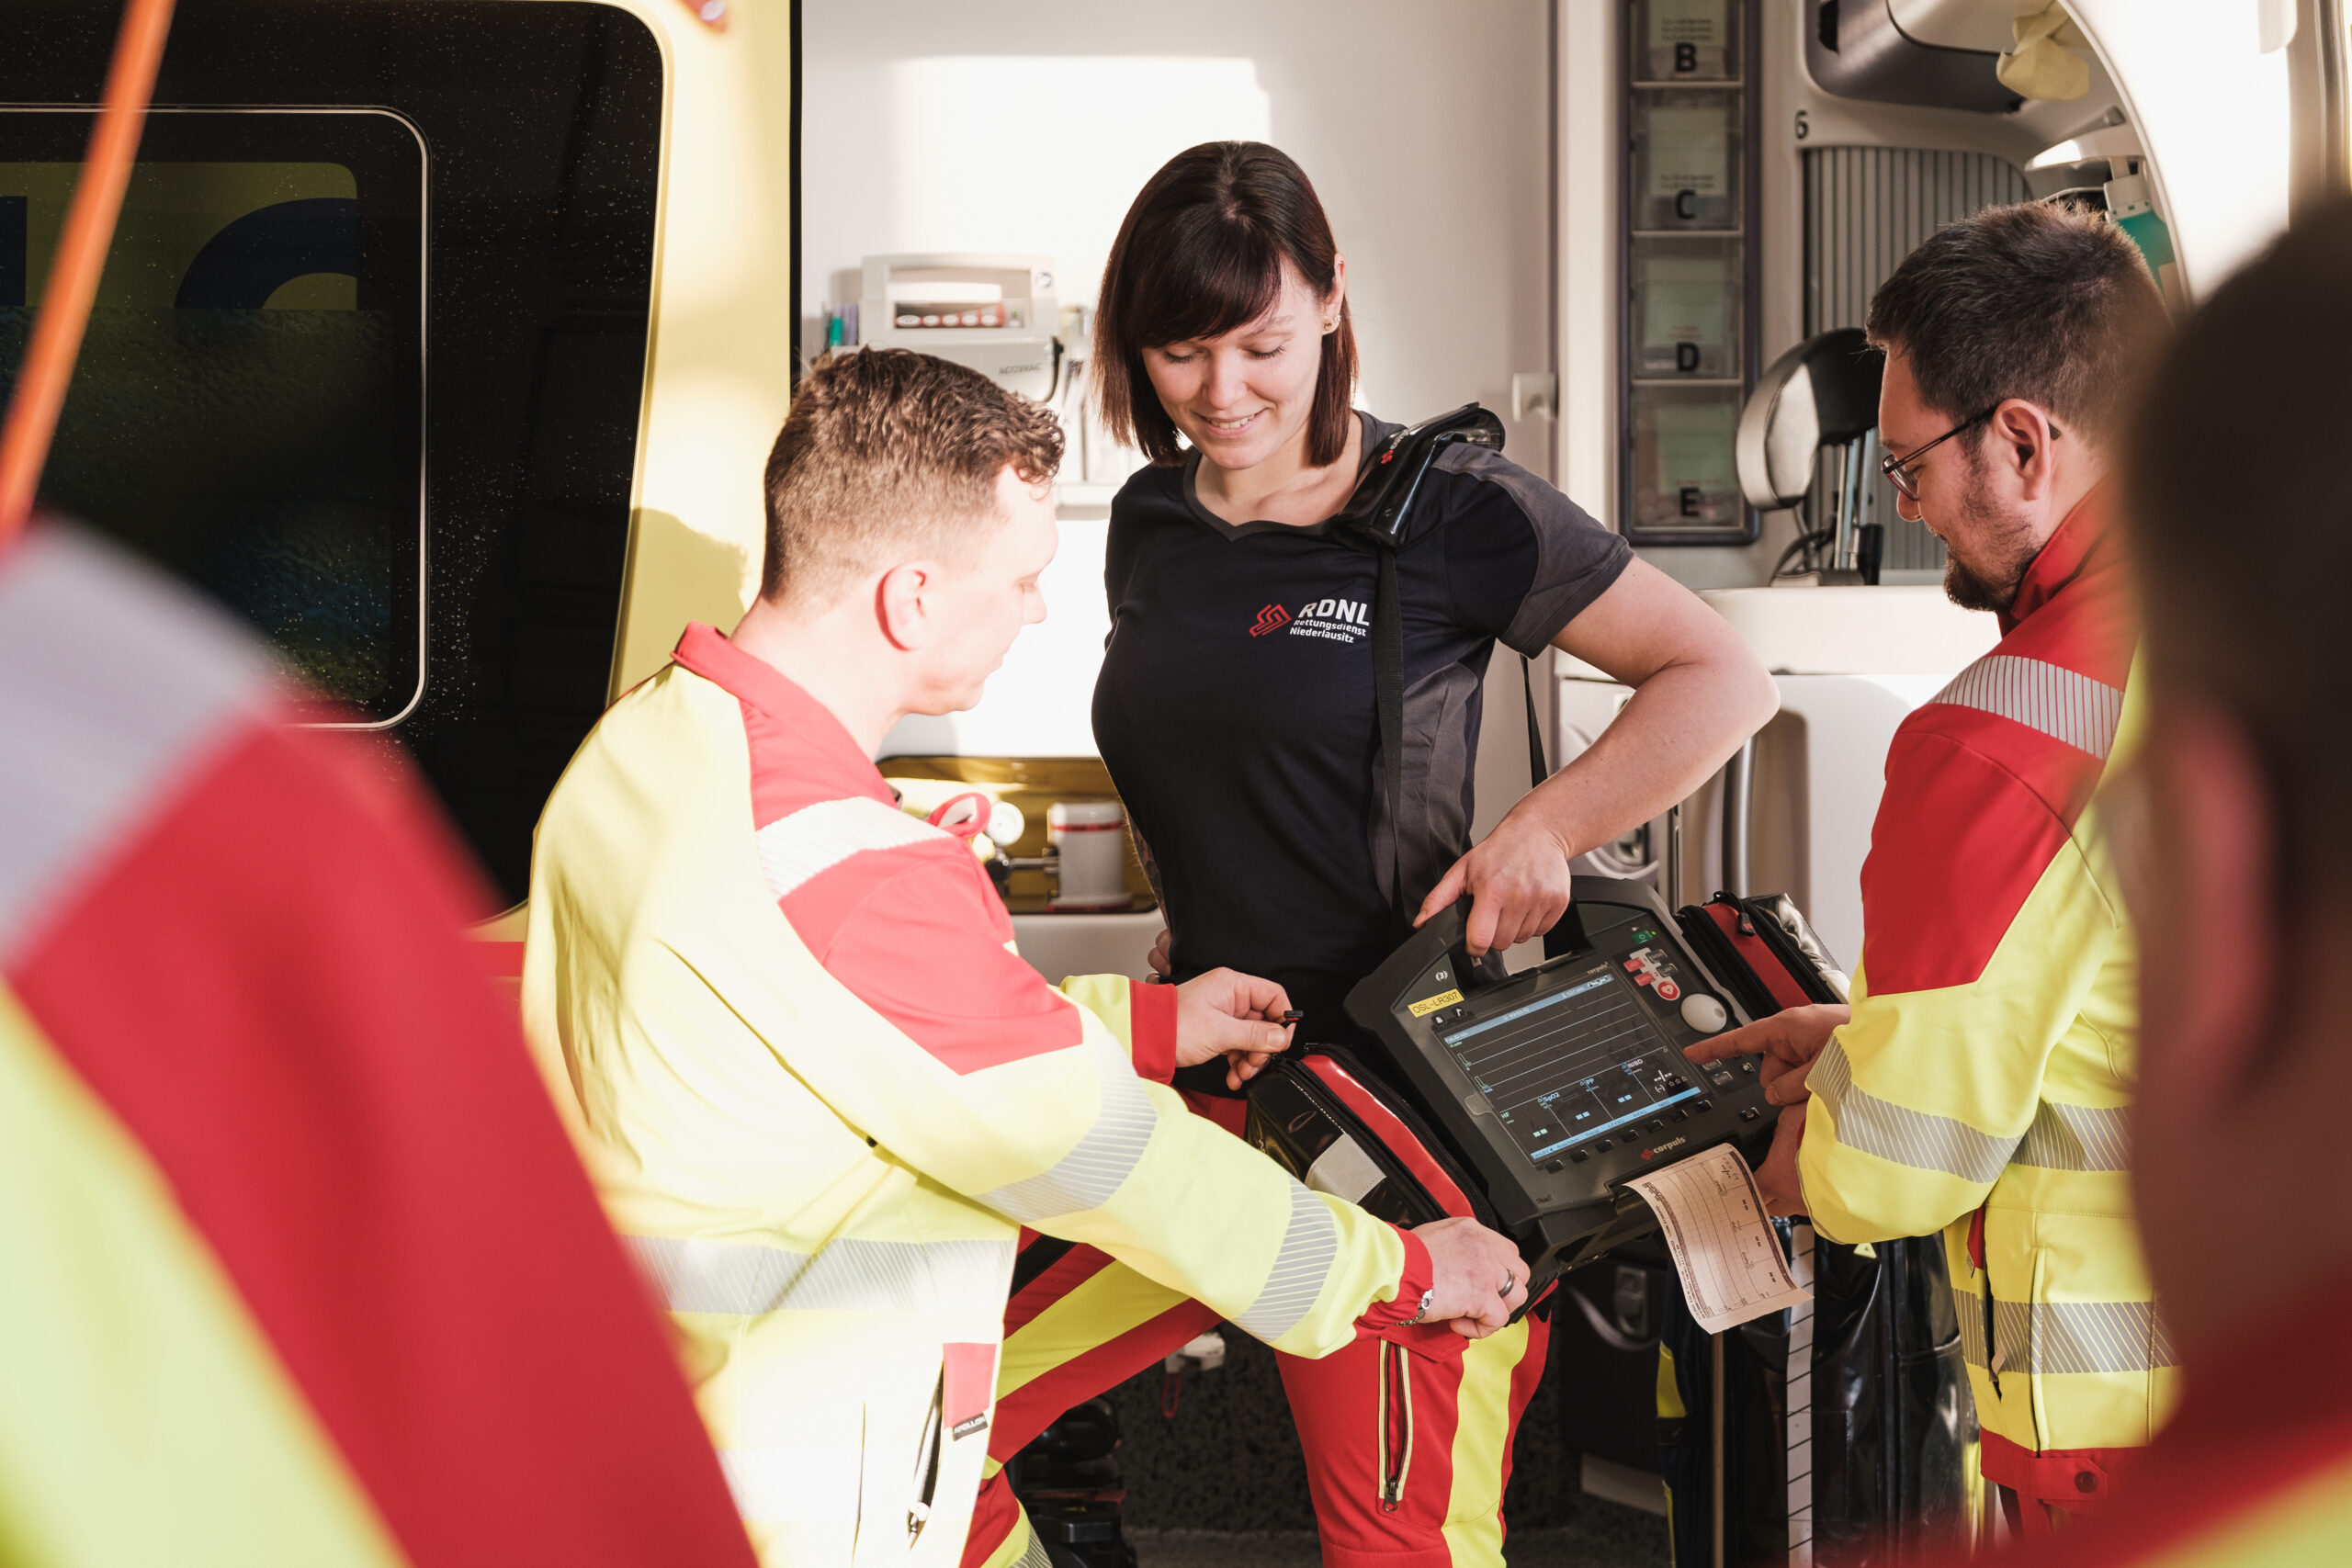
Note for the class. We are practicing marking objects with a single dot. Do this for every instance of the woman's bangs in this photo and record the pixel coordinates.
(1203, 285)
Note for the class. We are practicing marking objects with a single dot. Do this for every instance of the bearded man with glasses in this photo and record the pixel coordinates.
(1977, 1085)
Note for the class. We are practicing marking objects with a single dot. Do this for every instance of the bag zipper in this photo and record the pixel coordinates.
(1396, 1417)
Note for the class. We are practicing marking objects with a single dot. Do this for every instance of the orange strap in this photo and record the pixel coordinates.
(81, 258)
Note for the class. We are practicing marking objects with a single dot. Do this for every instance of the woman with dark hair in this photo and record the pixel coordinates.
(1234, 711)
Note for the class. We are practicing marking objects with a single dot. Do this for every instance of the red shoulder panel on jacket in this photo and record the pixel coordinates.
(924, 948)
(1960, 842)
(2061, 776)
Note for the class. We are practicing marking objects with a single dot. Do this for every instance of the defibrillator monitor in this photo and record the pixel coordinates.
(1553, 1085)
(1568, 1067)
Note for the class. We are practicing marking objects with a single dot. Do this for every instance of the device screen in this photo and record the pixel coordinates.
(1573, 1064)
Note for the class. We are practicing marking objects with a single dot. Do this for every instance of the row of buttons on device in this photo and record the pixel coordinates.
(1648, 968)
(1656, 1124)
(1723, 1075)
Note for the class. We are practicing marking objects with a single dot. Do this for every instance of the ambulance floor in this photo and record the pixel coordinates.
(1221, 1482)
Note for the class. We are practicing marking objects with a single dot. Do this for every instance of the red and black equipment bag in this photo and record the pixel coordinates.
(1765, 950)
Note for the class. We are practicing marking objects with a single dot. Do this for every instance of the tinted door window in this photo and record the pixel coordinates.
(248, 404)
(264, 368)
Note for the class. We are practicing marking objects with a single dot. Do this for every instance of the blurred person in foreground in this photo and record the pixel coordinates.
(2235, 847)
(1979, 1086)
(298, 1268)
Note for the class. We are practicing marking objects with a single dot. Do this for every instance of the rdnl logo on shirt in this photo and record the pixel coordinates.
(1338, 620)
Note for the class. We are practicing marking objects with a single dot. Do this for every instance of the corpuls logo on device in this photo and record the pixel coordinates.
(1337, 620)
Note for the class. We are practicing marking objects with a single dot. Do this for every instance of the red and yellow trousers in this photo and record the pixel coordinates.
(1408, 1453)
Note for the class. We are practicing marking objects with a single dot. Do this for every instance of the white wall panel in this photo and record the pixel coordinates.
(1426, 129)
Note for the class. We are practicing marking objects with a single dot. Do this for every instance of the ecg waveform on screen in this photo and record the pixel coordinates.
(1557, 1075)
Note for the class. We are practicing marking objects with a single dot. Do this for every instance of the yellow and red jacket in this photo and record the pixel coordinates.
(1980, 1086)
(299, 1267)
(2255, 1467)
(821, 1095)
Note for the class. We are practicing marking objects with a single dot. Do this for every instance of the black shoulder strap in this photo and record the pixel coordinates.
(1539, 762)
(1377, 517)
(1388, 700)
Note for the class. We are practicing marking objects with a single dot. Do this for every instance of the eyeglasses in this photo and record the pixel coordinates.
(1898, 469)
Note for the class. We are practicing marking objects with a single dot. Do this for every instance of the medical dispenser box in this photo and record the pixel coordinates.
(996, 313)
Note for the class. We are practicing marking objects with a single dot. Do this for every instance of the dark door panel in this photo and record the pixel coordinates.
(368, 357)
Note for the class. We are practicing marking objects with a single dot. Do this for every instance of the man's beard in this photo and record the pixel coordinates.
(1999, 547)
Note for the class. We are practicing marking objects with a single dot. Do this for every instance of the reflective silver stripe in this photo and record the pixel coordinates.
(2043, 1338)
(1797, 1402)
(1310, 1245)
(1344, 1170)
(2076, 1137)
(112, 682)
(2048, 697)
(795, 1485)
(1034, 1555)
(1085, 1177)
(1971, 1309)
(817, 837)
(746, 1278)
(1899, 1134)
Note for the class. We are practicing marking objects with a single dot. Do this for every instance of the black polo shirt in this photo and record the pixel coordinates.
(1235, 707)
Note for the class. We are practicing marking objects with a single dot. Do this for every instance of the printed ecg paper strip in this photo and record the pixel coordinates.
(1724, 1244)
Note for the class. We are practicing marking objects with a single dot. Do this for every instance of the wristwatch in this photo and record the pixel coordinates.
(1428, 1300)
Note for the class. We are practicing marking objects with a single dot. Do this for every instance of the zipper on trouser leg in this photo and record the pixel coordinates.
(927, 1454)
(1396, 1426)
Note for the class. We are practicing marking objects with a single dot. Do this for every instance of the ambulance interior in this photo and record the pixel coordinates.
(453, 333)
